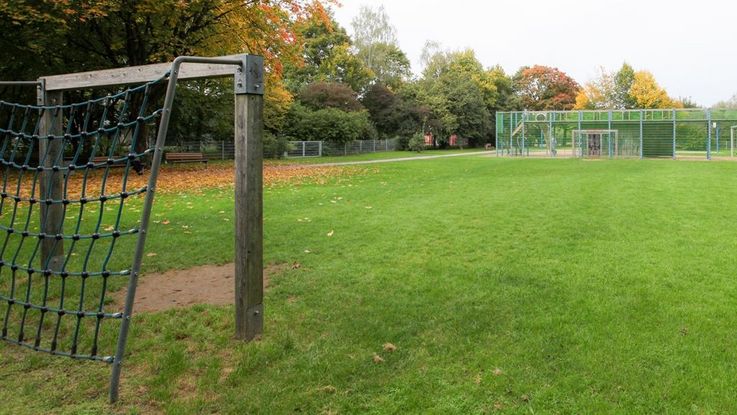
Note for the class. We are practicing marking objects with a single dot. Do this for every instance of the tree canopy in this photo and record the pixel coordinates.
(540, 88)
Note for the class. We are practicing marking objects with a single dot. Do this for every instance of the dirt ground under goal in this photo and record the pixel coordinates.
(205, 284)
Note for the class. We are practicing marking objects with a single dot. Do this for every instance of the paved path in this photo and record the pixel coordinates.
(348, 163)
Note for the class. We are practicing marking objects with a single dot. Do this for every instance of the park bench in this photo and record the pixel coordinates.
(185, 158)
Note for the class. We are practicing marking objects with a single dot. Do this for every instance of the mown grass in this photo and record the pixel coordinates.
(369, 156)
(512, 286)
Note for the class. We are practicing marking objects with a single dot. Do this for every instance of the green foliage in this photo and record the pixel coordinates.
(416, 143)
(275, 146)
(203, 112)
(394, 114)
(327, 56)
(623, 80)
(321, 95)
(329, 124)
(459, 95)
(376, 44)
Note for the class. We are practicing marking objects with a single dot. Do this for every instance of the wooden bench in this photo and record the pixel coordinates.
(185, 158)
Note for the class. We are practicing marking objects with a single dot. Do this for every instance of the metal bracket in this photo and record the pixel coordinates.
(41, 92)
(249, 77)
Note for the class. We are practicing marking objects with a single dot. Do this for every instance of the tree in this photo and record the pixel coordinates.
(321, 95)
(329, 124)
(376, 45)
(728, 104)
(608, 90)
(59, 36)
(646, 93)
(384, 109)
(459, 93)
(539, 88)
(327, 56)
(623, 80)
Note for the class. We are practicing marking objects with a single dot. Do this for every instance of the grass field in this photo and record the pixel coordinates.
(510, 286)
(370, 156)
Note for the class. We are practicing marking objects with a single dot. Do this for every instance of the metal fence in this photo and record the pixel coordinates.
(328, 148)
(214, 150)
(225, 150)
(671, 133)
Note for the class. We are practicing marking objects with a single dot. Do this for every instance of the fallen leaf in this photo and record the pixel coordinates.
(165, 222)
(307, 251)
(328, 389)
(477, 379)
(498, 372)
(377, 358)
(331, 233)
(151, 254)
(296, 265)
(388, 347)
(525, 398)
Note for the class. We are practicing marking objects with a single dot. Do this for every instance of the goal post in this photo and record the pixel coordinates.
(124, 115)
(595, 143)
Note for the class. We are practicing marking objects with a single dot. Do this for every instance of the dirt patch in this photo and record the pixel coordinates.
(206, 284)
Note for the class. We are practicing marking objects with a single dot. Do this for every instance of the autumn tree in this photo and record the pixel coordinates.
(646, 93)
(539, 88)
(608, 90)
(45, 37)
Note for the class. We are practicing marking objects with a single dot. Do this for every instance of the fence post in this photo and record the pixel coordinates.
(319, 148)
(573, 139)
(524, 118)
(708, 134)
(674, 134)
(641, 139)
(303, 148)
(610, 133)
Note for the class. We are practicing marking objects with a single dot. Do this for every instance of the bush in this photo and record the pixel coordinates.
(416, 143)
(275, 147)
(328, 124)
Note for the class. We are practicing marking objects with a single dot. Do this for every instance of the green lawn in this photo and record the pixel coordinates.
(507, 285)
(370, 156)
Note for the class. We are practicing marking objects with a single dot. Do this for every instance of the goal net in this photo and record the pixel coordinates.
(603, 143)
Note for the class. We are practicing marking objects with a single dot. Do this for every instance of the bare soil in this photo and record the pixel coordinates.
(205, 284)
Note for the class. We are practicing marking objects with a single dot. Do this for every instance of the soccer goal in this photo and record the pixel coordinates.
(74, 221)
(599, 143)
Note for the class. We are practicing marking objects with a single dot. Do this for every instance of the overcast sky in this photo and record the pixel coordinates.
(690, 46)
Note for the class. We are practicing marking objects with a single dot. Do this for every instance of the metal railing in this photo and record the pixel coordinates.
(328, 148)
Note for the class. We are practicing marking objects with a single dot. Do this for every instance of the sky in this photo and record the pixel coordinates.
(690, 46)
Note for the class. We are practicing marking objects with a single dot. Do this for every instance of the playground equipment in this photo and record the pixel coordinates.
(67, 218)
